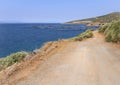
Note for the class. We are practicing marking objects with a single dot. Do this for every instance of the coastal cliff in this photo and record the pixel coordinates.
(31, 62)
(25, 63)
(57, 59)
(80, 57)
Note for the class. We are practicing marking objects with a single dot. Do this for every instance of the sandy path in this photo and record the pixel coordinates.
(91, 62)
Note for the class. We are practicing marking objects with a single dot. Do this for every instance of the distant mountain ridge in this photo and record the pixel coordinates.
(100, 20)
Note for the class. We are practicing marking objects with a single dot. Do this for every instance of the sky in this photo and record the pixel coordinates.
(54, 11)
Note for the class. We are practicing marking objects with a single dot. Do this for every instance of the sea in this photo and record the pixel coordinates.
(16, 37)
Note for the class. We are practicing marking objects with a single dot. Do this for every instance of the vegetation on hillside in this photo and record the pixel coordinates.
(11, 59)
(86, 34)
(111, 31)
(102, 19)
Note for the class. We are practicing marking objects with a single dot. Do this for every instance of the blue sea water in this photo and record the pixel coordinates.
(28, 37)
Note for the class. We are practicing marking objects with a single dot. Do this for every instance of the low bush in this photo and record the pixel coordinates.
(11, 59)
(102, 29)
(112, 31)
(86, 34)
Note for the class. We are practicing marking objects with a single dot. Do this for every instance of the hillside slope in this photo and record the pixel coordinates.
(100, 19)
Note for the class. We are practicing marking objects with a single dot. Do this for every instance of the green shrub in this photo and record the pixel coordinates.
(112, 31)
(86, 34)
(102, 29)
(11, 59)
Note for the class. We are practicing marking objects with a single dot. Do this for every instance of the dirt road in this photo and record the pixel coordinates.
(90, 62)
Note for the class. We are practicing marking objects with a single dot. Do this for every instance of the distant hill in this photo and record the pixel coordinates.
(98, 20)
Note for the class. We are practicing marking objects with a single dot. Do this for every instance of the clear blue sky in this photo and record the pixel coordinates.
(54, 10)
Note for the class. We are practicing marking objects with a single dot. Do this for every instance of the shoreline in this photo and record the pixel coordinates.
(12, 59)
(34, 59)
(46, 52)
